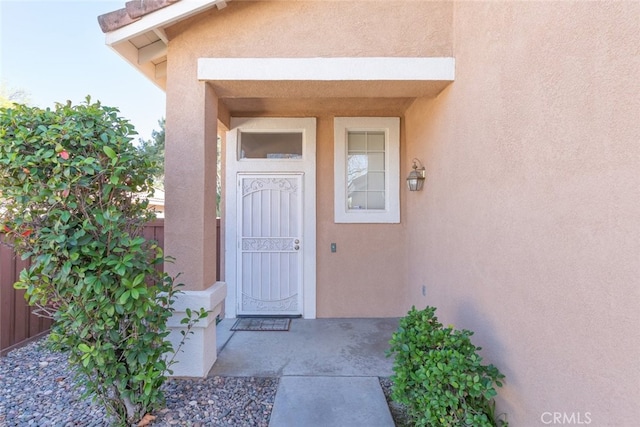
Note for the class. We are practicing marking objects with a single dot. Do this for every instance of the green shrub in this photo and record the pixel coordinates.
(70, 181)
(439, 376)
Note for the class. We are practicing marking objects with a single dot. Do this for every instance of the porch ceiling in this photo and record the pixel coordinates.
(314, 106)
(327, 89)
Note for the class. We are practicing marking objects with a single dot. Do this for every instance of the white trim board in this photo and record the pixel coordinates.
(328, 69)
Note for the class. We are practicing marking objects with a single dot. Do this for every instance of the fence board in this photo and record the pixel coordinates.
(21, 315)
(18, 324)
(7, 306)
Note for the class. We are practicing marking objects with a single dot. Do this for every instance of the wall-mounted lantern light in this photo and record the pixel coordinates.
(416, 177)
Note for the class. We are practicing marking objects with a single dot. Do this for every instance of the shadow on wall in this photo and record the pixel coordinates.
(468, 316)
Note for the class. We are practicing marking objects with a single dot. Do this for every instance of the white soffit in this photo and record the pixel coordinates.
(143, 59)
(327, 69)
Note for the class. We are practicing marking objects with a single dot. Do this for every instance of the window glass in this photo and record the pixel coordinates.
(270, 145)
(365, 170)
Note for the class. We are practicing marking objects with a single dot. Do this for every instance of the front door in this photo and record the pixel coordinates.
(270, 212)
(271, 250)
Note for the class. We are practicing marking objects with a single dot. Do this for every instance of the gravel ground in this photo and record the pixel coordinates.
(37, 388)
(398, 411)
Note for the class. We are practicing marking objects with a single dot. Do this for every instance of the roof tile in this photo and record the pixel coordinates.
(133, 11)
(139, 8)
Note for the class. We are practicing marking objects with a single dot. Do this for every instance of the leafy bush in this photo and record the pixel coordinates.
(439, 376)
(69, 180)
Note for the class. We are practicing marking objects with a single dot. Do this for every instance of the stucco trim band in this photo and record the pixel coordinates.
(327, 69)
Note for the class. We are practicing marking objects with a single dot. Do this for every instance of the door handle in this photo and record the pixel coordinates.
(296, 247)
(296, 241)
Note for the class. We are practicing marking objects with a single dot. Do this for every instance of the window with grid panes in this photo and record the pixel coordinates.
(366, 169)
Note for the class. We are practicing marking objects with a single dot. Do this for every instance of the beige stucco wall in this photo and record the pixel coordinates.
(528, 229)
(293, 28)
(366, 276)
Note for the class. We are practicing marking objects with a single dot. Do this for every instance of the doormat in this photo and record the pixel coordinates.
(261, 324)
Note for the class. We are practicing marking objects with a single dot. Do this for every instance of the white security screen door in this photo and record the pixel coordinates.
(270, 251)
(270, 217)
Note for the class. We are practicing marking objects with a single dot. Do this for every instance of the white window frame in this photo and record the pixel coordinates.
(391, 127)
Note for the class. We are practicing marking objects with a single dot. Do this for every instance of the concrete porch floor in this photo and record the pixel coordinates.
(328, 369)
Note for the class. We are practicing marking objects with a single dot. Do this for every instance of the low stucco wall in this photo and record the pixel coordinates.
(527, 230)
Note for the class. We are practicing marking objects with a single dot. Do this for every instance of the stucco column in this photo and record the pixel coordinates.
(190, 183)
(190, 218)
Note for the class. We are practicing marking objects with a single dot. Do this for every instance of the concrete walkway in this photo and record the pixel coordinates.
(328, 369)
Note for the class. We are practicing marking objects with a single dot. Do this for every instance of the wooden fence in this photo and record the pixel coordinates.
(18, 323)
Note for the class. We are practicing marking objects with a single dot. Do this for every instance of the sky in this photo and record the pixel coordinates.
(55, 51)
